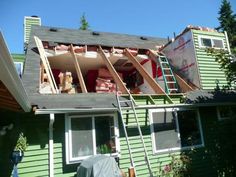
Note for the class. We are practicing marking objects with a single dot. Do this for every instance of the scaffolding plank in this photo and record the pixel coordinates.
(46, 64)
(113, 72)
(78, 70)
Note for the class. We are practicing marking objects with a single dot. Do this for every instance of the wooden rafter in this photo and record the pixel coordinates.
(46, 65)
(78, 70)
(155, 86)
(113, 72)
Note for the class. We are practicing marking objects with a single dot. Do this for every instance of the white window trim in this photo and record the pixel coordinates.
(219, 116)
(154, 148)
(69, 158)
(21, 66)
(211, 38)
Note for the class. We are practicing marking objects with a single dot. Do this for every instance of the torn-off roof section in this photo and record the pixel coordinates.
(85, 37)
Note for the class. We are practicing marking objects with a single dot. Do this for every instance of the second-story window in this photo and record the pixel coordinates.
(211, 42)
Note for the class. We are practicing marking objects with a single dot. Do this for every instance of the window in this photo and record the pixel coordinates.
(19, 68)
(226, 112)
(174, 129)
(90, 135)
(210, 42)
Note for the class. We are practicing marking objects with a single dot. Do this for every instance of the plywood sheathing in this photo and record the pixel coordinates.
(113, 72)
(78, 70)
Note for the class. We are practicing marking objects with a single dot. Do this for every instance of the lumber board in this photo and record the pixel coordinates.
(46, 65)
(155, 86)
(113, 72)
(182, 84)
(78, 70)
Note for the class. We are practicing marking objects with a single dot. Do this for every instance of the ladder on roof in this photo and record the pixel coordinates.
(127, 108)
(171, 85)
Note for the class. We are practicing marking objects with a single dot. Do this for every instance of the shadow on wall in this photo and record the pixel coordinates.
(21, 122)
(217, 158)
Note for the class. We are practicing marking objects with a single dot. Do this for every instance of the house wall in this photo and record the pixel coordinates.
(209, 69)
(35, 128)
(215, 159)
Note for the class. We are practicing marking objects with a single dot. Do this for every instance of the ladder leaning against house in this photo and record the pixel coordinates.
(171, 85)
(127, 107)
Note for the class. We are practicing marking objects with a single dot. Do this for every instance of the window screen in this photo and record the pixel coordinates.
(218, 43)
(165, 130)
(82, 137)
(189, 128)
(105, 139)
(206, 42)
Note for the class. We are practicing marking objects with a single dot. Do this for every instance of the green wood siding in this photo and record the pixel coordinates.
(18, 57)
(29, 21)
(209, 69)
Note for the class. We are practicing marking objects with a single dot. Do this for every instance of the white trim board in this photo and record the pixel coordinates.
(10, 78)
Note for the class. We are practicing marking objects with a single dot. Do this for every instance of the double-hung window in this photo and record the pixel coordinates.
(88, 135)
(174, 129)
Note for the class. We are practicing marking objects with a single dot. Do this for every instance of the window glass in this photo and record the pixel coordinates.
(189, 129)
(105, 139)
(206, 42)
(225, 112)
(81, 137)
(166, 134)
(218, 43)
(174, 130)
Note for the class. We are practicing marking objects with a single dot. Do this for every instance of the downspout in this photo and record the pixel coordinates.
(51, 161)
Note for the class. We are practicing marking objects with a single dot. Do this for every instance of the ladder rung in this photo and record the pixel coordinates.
(164, 62)
(169, 75)
(131, 125)
(173, 89)
(170, 82)
(166, 68)
(125, 113)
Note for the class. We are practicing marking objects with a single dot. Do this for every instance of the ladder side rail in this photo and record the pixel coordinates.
(125, 131)
(141, 136)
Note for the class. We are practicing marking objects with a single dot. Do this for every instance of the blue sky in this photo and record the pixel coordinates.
(151, 17)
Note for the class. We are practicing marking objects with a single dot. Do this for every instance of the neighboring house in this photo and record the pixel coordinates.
(66, 103)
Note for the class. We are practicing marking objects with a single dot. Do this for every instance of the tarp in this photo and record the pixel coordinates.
(99, 166)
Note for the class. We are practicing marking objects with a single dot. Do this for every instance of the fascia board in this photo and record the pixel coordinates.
(10, 78)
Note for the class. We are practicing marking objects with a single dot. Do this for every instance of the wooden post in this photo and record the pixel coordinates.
(78, 70)
(113, 72)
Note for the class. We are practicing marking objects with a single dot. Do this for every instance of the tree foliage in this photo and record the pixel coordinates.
(227, 22)
(84, 25)
(225, 60)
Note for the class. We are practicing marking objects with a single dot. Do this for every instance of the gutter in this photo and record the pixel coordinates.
(73, 110)
(51, 158)
(94, 110)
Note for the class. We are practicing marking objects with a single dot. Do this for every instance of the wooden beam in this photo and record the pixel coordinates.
(46, 65)
(182, 84)
(113, 72)
(154, 85)
(78, 70)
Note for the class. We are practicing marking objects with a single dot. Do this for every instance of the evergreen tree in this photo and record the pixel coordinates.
(83, 23)
(227, 22)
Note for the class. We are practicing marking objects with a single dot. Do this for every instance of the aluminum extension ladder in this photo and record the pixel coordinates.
(127, 105)
(168, 76)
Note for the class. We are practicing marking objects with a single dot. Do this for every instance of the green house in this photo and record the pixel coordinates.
(66, 103)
